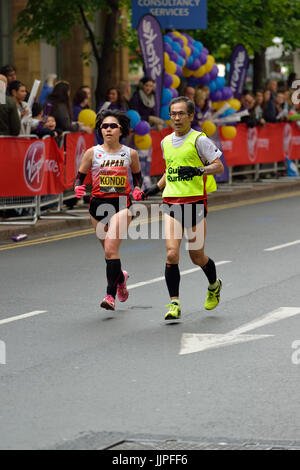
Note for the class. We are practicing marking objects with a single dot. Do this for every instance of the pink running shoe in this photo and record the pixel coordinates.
(122, 291)
(108, 303)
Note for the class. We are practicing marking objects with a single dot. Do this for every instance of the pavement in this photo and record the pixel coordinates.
(226, 194)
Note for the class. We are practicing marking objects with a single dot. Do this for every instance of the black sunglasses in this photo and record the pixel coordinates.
(112, 125)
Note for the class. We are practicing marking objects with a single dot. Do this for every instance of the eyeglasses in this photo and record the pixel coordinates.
(112, 125)
(180, 114)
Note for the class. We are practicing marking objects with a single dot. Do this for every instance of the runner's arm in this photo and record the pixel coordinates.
(136, 169)
(86, 162)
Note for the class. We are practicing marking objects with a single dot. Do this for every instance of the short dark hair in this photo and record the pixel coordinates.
(6, 69)
(37, 108)
(15, 85)
(121, 117)
(183, 99)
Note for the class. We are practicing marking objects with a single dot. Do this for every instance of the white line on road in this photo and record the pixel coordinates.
(285, 245)
(162, 278)
(22, 317)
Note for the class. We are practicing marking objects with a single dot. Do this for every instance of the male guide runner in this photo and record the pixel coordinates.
(191, 161)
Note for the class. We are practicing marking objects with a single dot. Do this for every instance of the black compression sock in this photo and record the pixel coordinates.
(210, 271)
(172, 276)
(114, 276)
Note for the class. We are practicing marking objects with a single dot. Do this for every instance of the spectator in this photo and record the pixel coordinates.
(143, 101)
(18, 92)
(80, 102)
(89, 94)
(10, 73)
(259, 107)
(276, 73)
(10, 123)
(202, 107)
(249, 104)
(276, 113)
(125, 90)
(113, 100)
(61, 110)
(47, 87)
(190, 93)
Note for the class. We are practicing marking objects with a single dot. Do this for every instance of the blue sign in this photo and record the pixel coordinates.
(172, 14)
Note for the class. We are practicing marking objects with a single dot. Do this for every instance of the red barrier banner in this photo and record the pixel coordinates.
(76, 146)
(158, 165)
(268, 144)
(30, 167)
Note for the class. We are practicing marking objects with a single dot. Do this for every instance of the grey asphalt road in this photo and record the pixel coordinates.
(79, 377)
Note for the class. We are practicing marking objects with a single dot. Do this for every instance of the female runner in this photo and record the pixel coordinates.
(110, 205)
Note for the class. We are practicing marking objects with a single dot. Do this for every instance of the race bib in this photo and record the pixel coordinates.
(113, 180)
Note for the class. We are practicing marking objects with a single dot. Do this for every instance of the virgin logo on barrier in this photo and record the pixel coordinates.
(80, 151)
(34, 166)
(287, 140)
(252, 141)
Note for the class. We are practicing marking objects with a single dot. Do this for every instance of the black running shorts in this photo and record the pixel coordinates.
(106, 208)
(189, 215)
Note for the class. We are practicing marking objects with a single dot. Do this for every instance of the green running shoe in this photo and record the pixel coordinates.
(174, 312)
(213, 297)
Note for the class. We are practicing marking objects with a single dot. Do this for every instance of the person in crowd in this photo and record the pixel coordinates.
(259, 107)
(44, 126)
(113, 100)
(190, 93)
(10, 123)
(80, 102)
(88, 91)
(110, 206)
(276, 73)
(185, 200)
(125, 90)
(276, 113)
(17, 91)
(249, 104)
(47, 88)
(10, 73)
(202, 106)
(143, 101)
(61, 109)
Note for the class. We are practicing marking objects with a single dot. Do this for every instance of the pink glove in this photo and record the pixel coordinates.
(137, 194)
(80, 191)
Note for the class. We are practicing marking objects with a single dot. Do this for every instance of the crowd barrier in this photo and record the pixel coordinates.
(36, 174)
(254, 148)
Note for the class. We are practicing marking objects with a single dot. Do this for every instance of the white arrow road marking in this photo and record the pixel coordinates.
(192, 343)
(22, 317)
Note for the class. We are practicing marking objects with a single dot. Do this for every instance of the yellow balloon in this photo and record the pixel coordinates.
(187, 50)
(200, 72)
(176, 81)
(209, 63)
(220, 104)
(186, 72)
(169, 123)
(88, 118)
(170, 67)
(184, 39)
(214, 105)
(209, 128)
(235, 104)
(142, 142)
(166, 57)
(228, 132)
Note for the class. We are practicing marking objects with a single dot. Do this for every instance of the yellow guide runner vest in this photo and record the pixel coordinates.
(186, 155)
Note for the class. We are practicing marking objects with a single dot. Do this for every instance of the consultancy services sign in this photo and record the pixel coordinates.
(172, 14)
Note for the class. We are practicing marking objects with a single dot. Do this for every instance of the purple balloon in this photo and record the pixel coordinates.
(183, 53)
(216, 95)
(178, 70)
(197, 128)
(214, 72)
(227, 93)
(168, 80)
(195, 65)
(168, 48)
(179, 40)
(205, 51)
(173, 56)
(205, 78)
(142, 128)
(174, 92)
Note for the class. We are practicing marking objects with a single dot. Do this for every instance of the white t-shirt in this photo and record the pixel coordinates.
(206, 149)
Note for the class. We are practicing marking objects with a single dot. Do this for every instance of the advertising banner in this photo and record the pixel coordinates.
(152, 47)
(30, 167)
(172, 14)
(238, 70)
